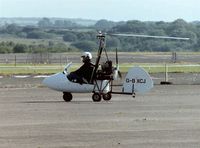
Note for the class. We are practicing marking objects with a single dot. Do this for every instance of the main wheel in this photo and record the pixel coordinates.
(107, 96)
(67, 96)
(96, 97)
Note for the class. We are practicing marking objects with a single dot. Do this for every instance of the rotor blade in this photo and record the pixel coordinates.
(149, 36)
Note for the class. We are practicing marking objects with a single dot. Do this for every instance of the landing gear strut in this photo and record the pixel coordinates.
(67, 96)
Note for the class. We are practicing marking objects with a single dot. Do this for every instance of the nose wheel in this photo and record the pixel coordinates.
(67, 96)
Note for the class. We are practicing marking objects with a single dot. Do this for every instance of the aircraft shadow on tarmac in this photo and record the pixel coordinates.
(38, 102)
(72, 102)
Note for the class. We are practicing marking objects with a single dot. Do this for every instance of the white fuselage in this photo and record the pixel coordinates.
(61, 83)
(136, 80)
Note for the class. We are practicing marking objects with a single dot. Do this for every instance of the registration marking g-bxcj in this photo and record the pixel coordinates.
(135, 80)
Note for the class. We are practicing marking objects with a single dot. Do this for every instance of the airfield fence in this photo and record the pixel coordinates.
(125, 57)
(35, 58)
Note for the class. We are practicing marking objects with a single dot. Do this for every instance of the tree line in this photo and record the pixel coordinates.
(65, 36)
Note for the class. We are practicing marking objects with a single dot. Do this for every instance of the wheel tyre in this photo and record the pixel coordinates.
(96, 97)
(67, 96)
(107, 96)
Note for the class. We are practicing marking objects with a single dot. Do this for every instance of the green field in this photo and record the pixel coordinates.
(10, 69)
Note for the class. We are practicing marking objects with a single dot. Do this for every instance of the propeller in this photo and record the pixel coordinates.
(148, 36)
(116, 69)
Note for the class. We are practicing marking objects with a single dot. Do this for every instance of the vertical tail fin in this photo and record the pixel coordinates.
(137, 80)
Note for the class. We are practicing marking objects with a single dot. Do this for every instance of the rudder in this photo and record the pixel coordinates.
(137, 80)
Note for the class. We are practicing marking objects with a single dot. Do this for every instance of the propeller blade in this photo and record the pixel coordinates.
(117, 62)
(150, 36)
(119, 74)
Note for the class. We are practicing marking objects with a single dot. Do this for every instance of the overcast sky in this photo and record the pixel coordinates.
(116, 10)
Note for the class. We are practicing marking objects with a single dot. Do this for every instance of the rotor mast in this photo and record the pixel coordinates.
(101, 38)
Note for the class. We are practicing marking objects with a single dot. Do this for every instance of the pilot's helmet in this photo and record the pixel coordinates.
(87, 56)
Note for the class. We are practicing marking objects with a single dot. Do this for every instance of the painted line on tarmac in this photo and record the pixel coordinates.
(21, 76)
(41, 76)
(156, 78)
(26, 76)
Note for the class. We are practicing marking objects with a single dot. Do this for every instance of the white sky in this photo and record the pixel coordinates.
(116, 10)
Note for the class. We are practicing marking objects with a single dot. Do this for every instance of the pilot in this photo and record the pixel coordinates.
(84, 73)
